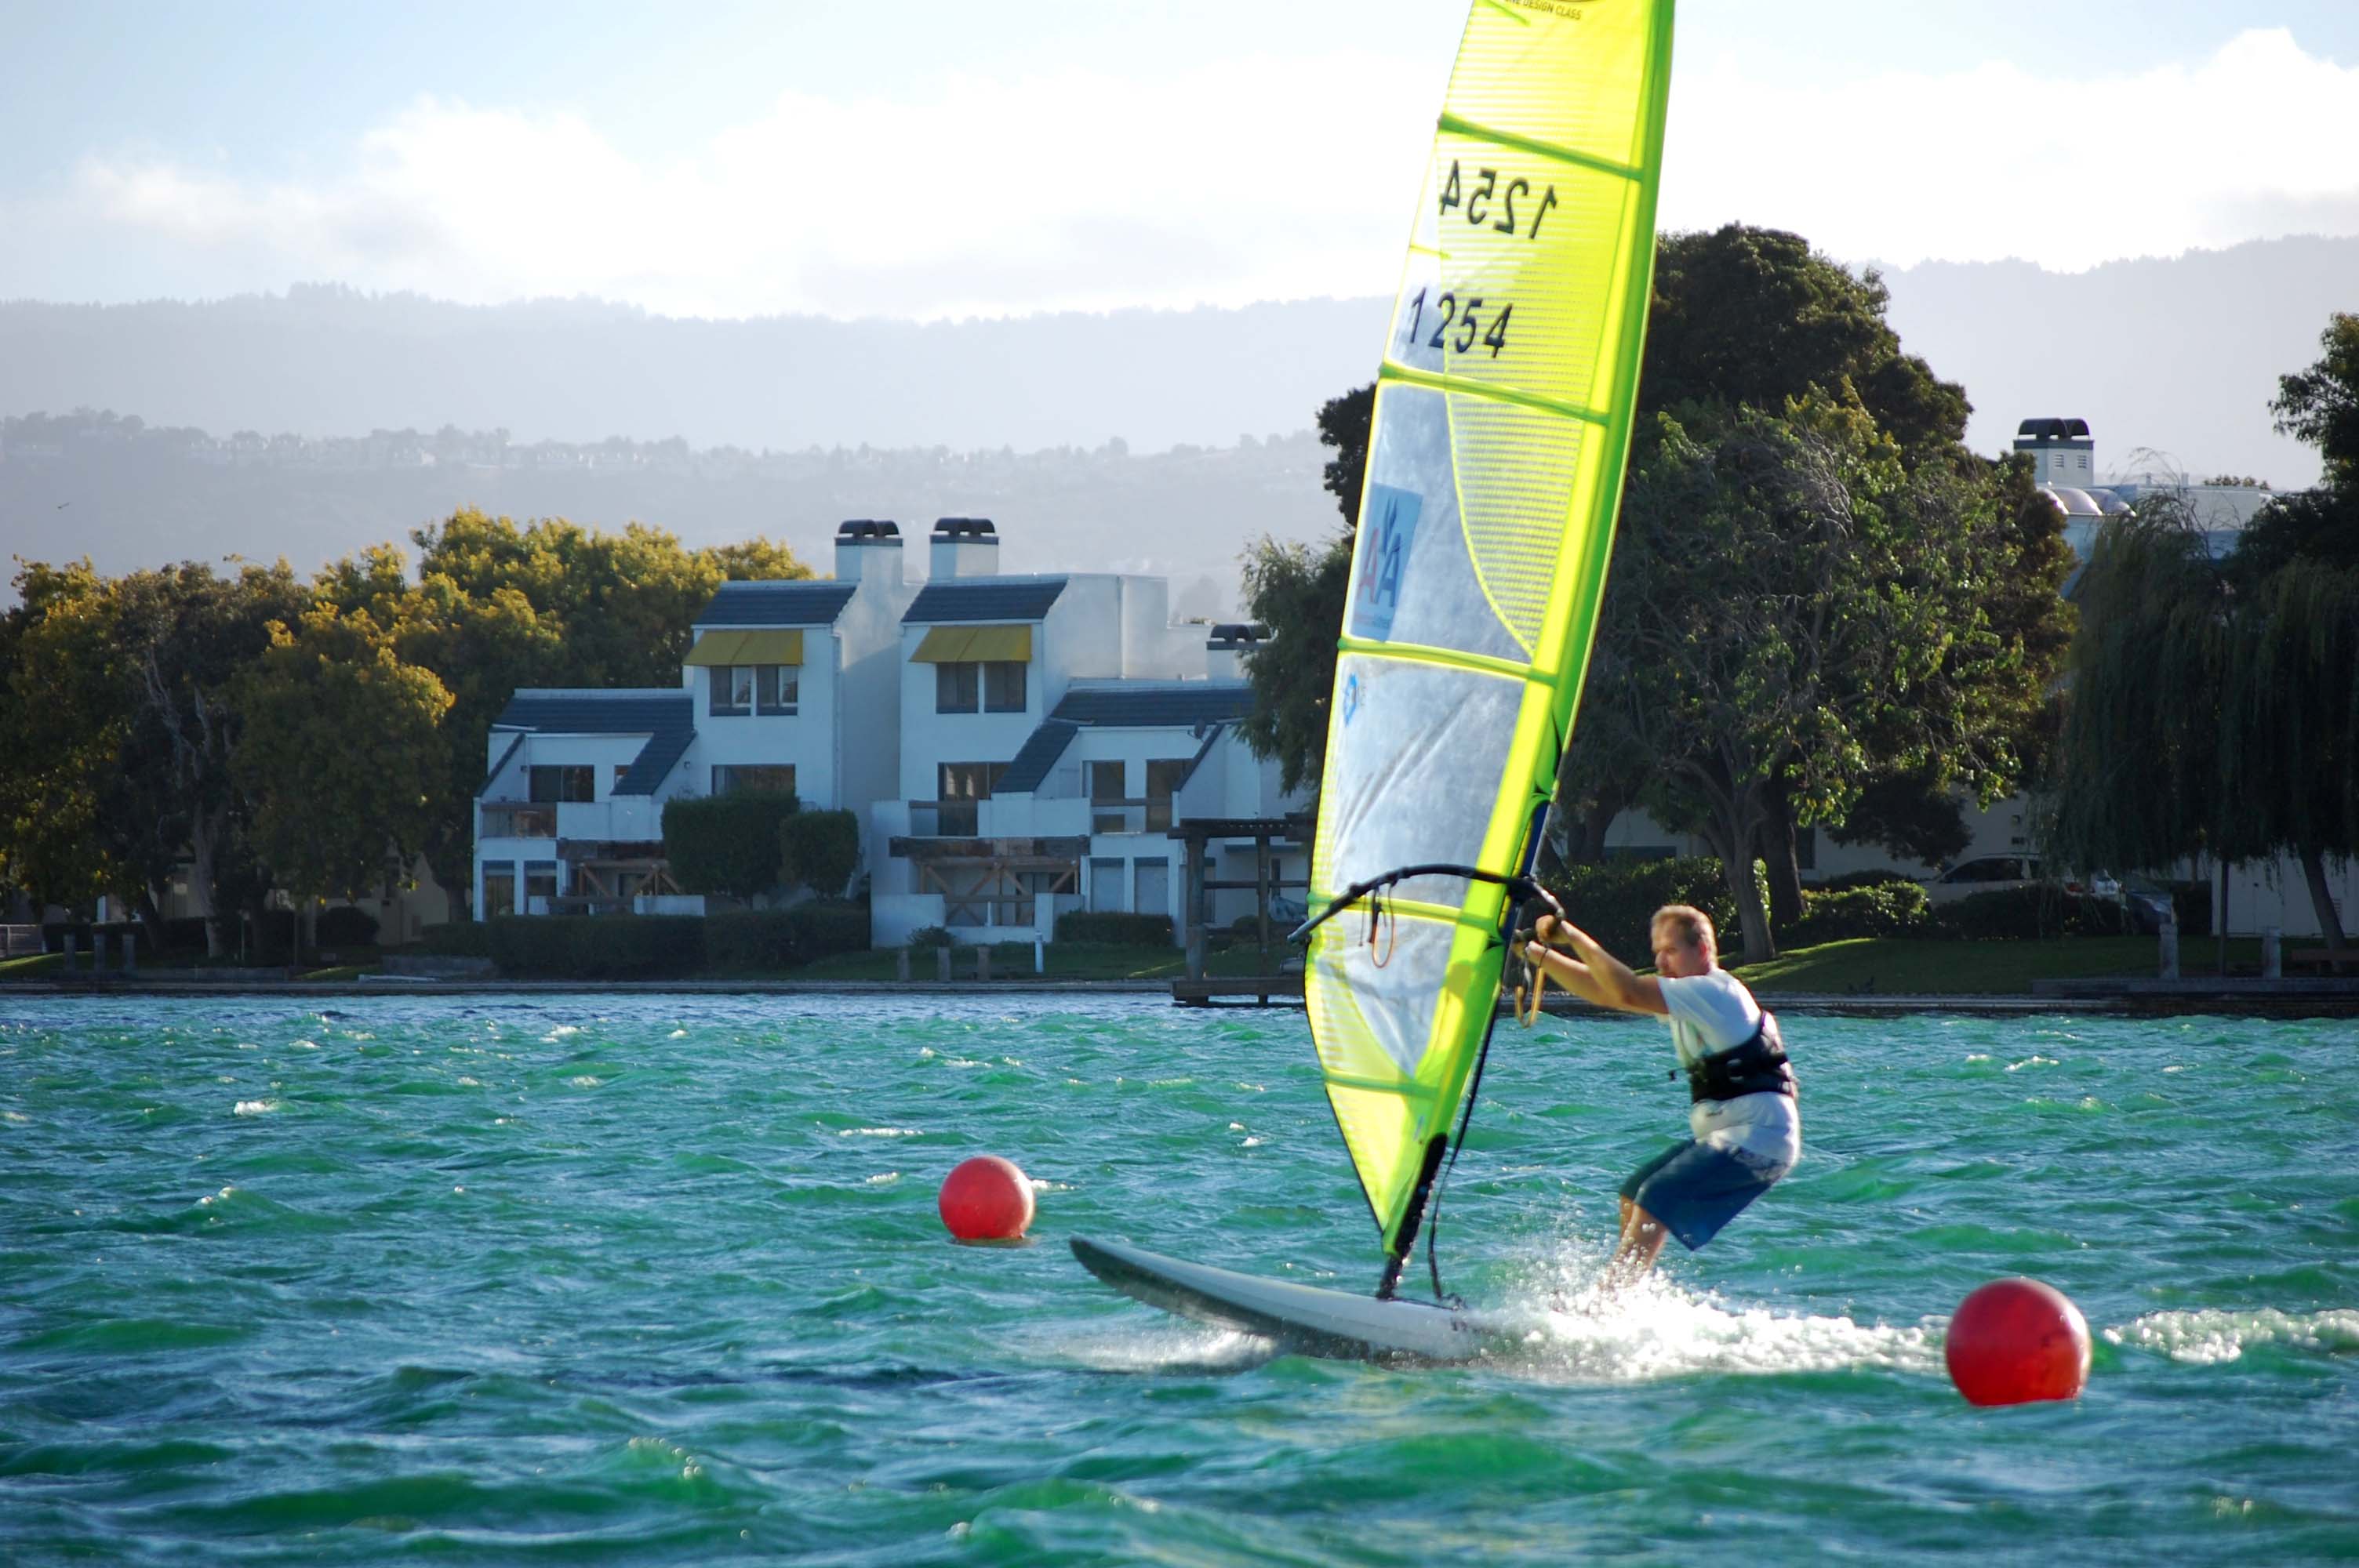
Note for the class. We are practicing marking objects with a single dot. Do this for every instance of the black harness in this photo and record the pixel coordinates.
(1757, 1067)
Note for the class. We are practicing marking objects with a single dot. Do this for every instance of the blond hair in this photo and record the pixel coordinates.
(1693, 926)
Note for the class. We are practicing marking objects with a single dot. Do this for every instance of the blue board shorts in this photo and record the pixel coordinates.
(1694, 1189)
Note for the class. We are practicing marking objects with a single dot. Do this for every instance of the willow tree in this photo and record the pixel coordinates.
(2209, 708)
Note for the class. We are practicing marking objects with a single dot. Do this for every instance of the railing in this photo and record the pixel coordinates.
(516, 819)
(945, 818)
(1133, 815)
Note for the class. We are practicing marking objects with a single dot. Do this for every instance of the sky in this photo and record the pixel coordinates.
(930, 161)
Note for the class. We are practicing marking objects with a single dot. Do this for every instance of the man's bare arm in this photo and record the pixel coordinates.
(1595, 974)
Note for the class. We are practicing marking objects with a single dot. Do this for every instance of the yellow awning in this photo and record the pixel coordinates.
(716, 648)
(975, 644)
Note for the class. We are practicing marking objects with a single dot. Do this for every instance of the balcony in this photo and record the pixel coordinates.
(516, 819)
(1133, 815)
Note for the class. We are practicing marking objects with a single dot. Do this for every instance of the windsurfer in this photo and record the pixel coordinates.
(1746, 1130)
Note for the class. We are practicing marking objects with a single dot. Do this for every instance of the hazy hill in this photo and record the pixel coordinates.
(1010, 418)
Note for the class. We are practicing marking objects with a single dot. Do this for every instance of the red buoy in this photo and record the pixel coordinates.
(987, 1199)
(2015, 1341)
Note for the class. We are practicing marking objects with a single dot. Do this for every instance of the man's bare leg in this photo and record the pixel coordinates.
(1642, 1242)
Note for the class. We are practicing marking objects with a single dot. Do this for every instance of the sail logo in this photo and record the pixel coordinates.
(1387, 529)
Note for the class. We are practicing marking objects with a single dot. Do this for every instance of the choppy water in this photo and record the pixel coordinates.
(660, 1280)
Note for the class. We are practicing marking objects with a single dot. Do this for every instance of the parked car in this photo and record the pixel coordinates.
(1983, 873)
(2145, 905)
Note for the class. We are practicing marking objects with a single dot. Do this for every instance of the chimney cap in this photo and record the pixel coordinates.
(977, 528)
(2052, 429)
(1236, 634)
(868, 528)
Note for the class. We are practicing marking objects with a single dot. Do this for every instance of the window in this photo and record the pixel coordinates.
(777, 689)
(1002, 686)
(570, 781)
(499, 889)
(539, 881)
(963, 787)
(957, 687)
(1163, 776)
(733, 690)
(1106, 797)
(615, 786)
(772, 778)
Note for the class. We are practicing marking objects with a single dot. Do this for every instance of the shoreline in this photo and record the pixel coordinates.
(2298, 997)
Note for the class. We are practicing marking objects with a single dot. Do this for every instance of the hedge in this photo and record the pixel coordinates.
(784, 938)
(597, 947)
(1616, 902)
(1119, 930)
(726, 843)
(1889, 908)
(345, 926)
(2027, 914)
(457, 939)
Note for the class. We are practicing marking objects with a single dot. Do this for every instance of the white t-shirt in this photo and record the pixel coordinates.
(1712, 1011)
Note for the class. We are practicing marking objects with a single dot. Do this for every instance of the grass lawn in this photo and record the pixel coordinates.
(1901, 966)
(33, 966)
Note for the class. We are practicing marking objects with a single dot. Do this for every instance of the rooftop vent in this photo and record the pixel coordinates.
(868, 528)
(964, 528)
(2039, 431)
(1236, 634)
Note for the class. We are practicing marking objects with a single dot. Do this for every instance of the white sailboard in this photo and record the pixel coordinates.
(1504, 400)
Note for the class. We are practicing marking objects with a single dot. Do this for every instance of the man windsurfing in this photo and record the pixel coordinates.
(1746, 1128)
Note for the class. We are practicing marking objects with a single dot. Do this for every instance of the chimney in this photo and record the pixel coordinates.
(963, 546)
(868, 551)
(1225, 648)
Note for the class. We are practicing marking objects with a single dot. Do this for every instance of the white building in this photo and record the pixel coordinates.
(1015, 746)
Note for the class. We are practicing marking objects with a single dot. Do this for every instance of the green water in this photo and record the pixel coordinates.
(660, 1280)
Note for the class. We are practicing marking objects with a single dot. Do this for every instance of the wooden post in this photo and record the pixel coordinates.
(901, 966)
(983, 961)
(71, 945)
(2170, 947)
(2272, 956)
(1193, 847)
(131, 952)
(942, 964)
(97, 952)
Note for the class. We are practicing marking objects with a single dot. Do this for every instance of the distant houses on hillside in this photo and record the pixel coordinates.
(1014, 746)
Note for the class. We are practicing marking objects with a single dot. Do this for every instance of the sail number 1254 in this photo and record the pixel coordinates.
(1458, 323)
(1484, 201)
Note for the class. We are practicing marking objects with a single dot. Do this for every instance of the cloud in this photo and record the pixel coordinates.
(2065, 168)
(1252, 178)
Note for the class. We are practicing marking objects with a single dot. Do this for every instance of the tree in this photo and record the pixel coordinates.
(341, 750)
(2320, 405)
(1744, 316)
(1790, 587)
(1297, 591)
(65, 719)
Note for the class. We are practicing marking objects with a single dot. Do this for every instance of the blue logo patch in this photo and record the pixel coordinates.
(1387, 529)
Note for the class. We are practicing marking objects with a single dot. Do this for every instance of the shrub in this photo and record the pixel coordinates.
(819, 850)
(726, 844)
(597, 947)
(345, 926)
(1850, 880)
(1616, 902)
(1881, 909)
(783, 938)
(2022, 914)
(1117, 930)
(929, 940)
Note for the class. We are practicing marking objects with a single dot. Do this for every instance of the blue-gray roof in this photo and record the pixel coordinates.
(776, 604)
(986, 599)
(667, 718)
(1039, 754)
(1188, 704)
(1184, 704)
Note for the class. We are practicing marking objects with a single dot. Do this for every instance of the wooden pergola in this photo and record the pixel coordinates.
(1266, 833)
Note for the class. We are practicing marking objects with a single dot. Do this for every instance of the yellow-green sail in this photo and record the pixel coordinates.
(1495, 470)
